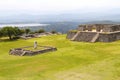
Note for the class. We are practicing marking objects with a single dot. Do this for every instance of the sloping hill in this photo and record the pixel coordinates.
(102, 22)
(72, 60)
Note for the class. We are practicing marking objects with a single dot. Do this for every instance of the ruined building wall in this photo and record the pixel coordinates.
(88, 36)
(99, 27)
(83, 36)
(104, 33)
(109, 37)
(70, 34)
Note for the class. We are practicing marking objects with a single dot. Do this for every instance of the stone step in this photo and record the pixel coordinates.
(95, 38)
(23, 53)
(73, 38)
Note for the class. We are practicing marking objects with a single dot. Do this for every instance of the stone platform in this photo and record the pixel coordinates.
(94, 36)
(24, 52)
(95, 33)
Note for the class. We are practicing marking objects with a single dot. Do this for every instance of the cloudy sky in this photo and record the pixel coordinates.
(56, 6)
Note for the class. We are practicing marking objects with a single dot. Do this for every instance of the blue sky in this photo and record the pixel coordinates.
(56, 6)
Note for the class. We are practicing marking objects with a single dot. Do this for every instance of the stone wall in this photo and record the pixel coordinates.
(95, 32)
(99, 27)
(85, 36)
(70, 34)
(109, 37)
(103, 37)
(23, 52)
(40, 51)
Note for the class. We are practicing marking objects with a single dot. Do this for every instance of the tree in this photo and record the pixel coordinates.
(1, 34)
(8, 31)
(22, 31)
(41, 31)
(11, 32)
(27, 31)
(18, 31)
(53, 31)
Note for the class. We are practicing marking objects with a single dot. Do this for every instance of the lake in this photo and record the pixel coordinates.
(24, 25)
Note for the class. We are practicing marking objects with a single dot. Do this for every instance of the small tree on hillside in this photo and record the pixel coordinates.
(27, 31)
(1, 34)
(41, 31)
(18, 31)
(22, 31)
(8, 31)
(53, 31)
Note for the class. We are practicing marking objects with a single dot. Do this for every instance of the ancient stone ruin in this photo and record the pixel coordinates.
(95, 33)
(24, 51)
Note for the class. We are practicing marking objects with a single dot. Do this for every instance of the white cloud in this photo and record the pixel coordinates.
(56, 5)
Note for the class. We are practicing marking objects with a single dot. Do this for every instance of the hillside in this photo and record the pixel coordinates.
(62, 27)
(72, 60)
(102, 22)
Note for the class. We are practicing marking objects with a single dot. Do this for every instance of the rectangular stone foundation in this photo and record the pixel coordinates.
(23, 52)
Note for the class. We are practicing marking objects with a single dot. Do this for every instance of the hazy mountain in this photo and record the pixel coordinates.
(70, 16)
(62, 27)
(102, 22)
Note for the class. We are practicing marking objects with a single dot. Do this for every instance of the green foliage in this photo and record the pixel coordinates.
(18, 31)
(32, 32)
(27, 30)
(73, 31)
(53, 31)
(41, 31)
(10, 32)
(22, 31)
(1, 34)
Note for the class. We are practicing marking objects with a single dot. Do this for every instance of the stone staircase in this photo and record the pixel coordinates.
(95, 38)
(73, 38)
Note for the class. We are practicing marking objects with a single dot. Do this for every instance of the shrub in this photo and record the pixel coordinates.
(41, 31)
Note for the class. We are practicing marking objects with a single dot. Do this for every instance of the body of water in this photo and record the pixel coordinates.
(23, 25)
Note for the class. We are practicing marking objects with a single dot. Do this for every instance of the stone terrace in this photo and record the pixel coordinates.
(95, 33)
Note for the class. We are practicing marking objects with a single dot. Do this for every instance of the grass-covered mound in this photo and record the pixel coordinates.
(72, 60)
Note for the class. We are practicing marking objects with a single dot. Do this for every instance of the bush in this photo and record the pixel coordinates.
(53, 31)
(1, 34)
(41, 31)
(27, 31)
(16, 37)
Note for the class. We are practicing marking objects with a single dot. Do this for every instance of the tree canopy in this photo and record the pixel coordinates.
(1, 34)
(27, 31)
(10, 31)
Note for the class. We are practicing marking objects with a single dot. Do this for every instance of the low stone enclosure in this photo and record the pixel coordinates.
(24, 51)
(95, 33)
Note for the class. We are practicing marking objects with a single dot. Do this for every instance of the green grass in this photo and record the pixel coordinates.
(72, 60)
(73, 31)
(32, 48)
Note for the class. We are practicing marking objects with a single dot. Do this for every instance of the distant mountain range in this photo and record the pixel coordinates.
(102, 22)
(64, 22)
(67, 17)
(64, 26)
